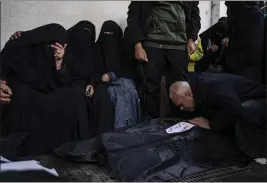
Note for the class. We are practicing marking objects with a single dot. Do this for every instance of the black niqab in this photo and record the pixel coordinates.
(109, 40)
(31, 58)
(86, 68)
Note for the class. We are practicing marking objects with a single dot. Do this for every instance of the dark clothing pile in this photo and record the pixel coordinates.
(44, 107)
(223, 98)
(121, 90)
(246, 31)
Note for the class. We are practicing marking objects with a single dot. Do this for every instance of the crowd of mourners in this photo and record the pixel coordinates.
(61, 85)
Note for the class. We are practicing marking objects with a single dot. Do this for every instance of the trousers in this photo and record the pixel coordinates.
(161, 62)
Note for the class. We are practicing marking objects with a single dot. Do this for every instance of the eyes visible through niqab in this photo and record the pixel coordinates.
(88, 30)
(108, 33)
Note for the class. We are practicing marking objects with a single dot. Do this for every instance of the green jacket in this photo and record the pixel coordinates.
(167, 26)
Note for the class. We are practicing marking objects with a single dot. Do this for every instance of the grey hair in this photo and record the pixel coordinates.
(179, 88)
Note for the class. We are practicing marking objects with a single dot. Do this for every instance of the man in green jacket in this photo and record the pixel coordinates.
(162, 35)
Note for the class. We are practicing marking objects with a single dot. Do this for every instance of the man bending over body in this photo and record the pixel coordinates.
(226, 104)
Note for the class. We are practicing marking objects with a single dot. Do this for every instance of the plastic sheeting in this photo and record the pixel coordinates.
(147, 153)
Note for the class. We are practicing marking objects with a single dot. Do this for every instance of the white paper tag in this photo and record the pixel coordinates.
(179, 127)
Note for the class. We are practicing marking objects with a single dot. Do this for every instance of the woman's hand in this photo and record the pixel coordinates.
(89, 91)
(225, 42)
(59, 54)
(16, 35)
(5, 92)
(106, 78)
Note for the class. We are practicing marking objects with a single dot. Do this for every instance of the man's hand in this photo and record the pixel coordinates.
(201, 122)
(16, 35)
(5, 93)
(59, 53)
(105, 78)
(191, 47)
(140, 53)
(89, 91)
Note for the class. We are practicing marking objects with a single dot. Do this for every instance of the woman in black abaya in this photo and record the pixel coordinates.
(121, 88)
(86, 75)
(43, 105)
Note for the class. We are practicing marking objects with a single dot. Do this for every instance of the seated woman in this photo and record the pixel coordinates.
(212, 41)
(43, 106)
(121, 88)
(86, 76)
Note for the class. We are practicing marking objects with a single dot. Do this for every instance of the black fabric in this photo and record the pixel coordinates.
(163, 156)
(34, 59)
(208, 58)
(110, 47)
(264, 65)
(250, 129)
(137, 21)
(103, 110)
(218, 98)
(246, 44)
(171, 63)
(166, 156)
(215, 33)
(86, 68)
(43, 105)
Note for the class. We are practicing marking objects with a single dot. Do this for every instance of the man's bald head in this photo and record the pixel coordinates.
(181, 95)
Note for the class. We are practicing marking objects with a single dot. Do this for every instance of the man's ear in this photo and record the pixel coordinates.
(188, 93)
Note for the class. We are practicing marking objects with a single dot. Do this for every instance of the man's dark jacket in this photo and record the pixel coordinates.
(219, 97)
(139, 12)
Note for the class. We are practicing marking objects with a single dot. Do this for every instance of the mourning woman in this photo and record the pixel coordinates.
(87, 74)
(121, 88)
(44, 107)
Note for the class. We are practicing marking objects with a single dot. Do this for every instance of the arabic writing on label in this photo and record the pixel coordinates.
(179, 127)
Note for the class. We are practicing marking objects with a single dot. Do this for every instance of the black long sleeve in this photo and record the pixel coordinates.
(133, 32)
(193, 20)
(227, 105)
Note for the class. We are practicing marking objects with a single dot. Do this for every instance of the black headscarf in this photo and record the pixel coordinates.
(109, 41)
(30, 58)
(81, 43)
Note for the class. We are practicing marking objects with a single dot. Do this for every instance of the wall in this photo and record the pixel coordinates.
(223, 9)
(24, 15)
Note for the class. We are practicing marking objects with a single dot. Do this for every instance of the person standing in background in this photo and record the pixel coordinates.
(162, 35)
(246, 34)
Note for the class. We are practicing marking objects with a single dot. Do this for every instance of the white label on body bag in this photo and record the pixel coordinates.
(179, 127)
